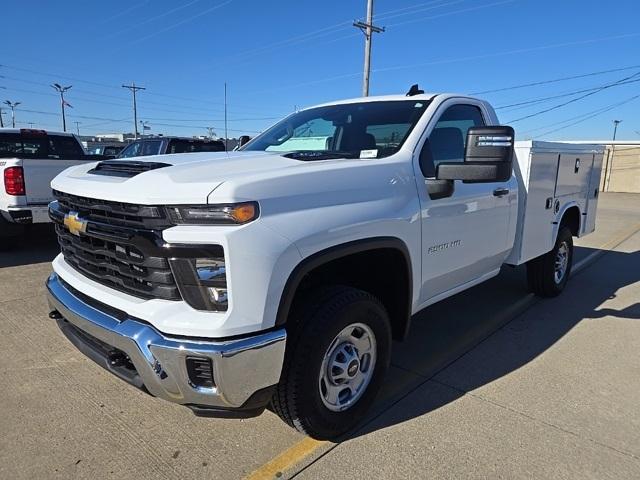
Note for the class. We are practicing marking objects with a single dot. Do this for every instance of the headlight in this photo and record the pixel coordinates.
(228, 214)
(202, 282)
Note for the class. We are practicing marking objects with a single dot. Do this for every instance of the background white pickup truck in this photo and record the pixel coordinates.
(280, 273)
(29, 159)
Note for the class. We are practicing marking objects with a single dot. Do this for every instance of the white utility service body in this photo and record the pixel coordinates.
(311, 211)
(29, 160)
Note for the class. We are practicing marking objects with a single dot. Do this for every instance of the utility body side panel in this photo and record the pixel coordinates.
(552, 178)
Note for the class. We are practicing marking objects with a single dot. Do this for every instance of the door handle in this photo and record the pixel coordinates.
(500, 192)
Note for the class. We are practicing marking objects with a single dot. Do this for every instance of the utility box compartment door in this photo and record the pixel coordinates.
(574, 172)
(589, 216)
(537, 216)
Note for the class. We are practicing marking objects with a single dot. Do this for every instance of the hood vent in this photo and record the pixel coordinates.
(125, 168)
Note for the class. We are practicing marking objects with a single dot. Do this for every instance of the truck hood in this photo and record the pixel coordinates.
(189, 179)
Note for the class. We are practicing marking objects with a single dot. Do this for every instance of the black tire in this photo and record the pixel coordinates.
(541, 271)
(316, 323)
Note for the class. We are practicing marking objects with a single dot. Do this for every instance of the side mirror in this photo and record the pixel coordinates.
(488, 157)
(243, 140)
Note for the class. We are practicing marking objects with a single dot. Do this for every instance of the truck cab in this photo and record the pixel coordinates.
(281, 276)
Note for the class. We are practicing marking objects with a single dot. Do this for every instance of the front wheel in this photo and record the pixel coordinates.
(337, 355)
(548, 274)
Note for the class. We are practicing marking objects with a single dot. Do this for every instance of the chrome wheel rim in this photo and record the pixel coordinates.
(347, 367)
(561, 262)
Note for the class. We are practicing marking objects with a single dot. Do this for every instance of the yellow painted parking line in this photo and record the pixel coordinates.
(287, 459)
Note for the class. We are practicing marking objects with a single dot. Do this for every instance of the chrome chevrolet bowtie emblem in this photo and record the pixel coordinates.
(74, 223)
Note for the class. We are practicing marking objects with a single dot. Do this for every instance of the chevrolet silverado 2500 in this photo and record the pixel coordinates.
(29, 159)
(279, 274)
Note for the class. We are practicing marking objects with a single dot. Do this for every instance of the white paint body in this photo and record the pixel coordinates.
(38, 173)
(308, 207)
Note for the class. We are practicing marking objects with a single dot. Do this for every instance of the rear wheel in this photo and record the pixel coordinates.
(337, 354)
(548, 274)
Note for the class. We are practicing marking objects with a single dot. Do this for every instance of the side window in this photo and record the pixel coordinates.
(132, 150)
(151, 147)
(16, 145)
(179, 146)
(64, 148)
(447, 140)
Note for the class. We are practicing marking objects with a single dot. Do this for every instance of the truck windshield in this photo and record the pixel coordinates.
(349, 130)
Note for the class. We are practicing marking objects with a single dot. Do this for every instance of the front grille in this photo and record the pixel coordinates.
(113, 213)
(111, 250)
(119, 266)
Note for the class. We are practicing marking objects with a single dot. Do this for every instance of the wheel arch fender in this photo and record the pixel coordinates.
(325, 257)
(570, 214)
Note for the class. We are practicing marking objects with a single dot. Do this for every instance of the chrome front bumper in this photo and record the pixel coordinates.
(242, 368)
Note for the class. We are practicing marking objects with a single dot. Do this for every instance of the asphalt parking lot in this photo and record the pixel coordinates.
(492, 383)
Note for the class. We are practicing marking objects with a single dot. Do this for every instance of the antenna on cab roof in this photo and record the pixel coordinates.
(414, 90)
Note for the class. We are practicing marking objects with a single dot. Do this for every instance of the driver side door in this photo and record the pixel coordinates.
(464, 228)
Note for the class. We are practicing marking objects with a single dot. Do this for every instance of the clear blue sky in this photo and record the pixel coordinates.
(279, 54)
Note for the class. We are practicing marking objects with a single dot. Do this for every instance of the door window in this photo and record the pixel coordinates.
(447, 140)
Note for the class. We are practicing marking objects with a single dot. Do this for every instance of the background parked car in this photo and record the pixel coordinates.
(29, 159)
(167, 145)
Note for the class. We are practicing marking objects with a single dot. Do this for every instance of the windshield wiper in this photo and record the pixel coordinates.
(309, 155)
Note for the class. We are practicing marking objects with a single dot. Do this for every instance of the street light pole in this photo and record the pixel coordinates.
(609, 165)
(77, 127)
(60, 89)
(12, 106)
(368, 28)
(133, 88)
(226, 136)
(615, 128)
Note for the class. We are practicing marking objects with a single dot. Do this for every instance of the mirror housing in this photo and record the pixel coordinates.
(243, 140)
(488, 157)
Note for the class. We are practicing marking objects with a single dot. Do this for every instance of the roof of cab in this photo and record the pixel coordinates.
(27, 130)
(426, 97)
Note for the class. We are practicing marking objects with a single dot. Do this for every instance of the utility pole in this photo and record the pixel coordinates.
(133, 88)
(60, 89)
(12, 106)
(226, 137)
(77, 127)
(368, 28)
(1, 121)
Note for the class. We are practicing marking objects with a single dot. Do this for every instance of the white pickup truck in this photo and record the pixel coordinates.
(29, 159)
(279, 274)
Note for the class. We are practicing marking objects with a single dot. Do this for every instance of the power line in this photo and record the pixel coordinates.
(555, 80)
(182, 22)
(555, 107)
(580, 118)
(329, 30)
(562, 95)
(470, 9)
(149, 19)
